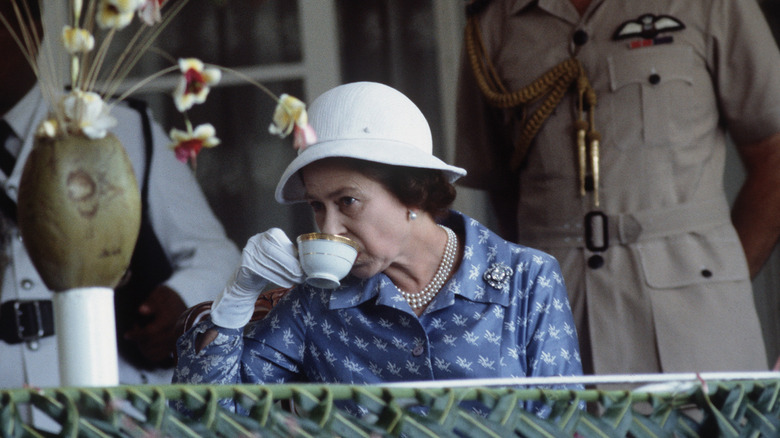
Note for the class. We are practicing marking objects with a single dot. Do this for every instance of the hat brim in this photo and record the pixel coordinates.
(290, 188)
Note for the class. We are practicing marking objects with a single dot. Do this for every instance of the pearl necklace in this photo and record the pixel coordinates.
(422, 298)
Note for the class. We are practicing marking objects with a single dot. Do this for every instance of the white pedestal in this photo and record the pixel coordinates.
(86, 337)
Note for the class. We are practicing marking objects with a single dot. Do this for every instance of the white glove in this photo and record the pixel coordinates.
(268, 257)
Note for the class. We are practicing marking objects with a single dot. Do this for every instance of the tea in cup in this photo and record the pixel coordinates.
(326, 258)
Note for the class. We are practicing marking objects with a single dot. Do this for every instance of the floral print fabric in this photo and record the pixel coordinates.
(365, 332)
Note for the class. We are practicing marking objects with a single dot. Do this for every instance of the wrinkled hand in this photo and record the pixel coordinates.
(156, 339)
(268, 257)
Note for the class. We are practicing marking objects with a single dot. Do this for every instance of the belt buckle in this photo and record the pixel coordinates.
(596, 231)
(26, 320)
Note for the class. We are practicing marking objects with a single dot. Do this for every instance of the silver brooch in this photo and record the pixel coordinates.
(498, 275)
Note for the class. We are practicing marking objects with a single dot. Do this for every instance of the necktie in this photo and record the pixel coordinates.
(7, 160)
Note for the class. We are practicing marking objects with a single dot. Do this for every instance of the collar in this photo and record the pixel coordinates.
(24, 119)
(355, 292)
(519, 5)
(27, 114)
(560, 8)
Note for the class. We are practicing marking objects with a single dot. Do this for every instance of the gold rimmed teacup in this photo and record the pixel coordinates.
(326, 258)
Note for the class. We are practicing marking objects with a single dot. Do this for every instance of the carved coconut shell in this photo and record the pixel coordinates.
(79, 211)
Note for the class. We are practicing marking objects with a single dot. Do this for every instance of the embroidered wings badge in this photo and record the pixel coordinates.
(647, 26)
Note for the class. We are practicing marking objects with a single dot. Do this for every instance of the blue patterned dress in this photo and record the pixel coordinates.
(364, 332)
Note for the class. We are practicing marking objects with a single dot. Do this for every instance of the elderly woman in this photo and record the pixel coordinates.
(433, 295)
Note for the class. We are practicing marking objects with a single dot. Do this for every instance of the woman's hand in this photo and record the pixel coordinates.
(268, 257)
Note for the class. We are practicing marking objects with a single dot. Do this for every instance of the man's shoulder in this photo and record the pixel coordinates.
(133, 121)
(129, 112)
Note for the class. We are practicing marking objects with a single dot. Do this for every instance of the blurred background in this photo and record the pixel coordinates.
(304, 47)
(301, 48)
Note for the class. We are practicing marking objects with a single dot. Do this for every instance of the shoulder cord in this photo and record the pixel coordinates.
(553, 84)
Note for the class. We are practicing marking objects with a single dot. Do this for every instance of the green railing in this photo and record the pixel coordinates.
(700, 408)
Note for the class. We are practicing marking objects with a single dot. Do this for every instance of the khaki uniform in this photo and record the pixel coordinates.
(672, 293)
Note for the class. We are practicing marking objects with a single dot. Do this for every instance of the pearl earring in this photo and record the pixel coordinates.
(412, 215)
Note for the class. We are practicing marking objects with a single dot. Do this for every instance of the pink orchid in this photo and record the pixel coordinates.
(194, 83)
(188, 144)
(303, 136)
(149, 12)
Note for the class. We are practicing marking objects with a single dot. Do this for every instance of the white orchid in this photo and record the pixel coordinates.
(48, 129)
(77, 40)
(116, 14)
(290, 112)
(86, 112)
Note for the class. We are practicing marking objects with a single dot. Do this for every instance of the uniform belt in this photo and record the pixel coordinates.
(26, 320)
(627, 228)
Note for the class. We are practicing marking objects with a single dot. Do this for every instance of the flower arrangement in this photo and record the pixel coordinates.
(86, 108)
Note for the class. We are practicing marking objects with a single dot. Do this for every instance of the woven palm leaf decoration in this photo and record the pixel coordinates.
(747, 408)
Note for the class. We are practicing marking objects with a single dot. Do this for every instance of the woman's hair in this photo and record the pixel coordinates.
(427, 189)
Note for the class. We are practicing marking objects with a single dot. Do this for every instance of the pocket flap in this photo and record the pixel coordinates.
(651, 66)
(693, 258)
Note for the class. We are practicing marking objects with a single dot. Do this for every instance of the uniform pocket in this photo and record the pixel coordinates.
(693, 258)
(655, 86)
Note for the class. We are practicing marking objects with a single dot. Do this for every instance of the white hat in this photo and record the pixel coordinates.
(367, 121)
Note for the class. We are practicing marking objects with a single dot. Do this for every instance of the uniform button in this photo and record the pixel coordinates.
(654, 78)
(580, 37)
(706, 273)
(595, 261)
(27, 284)
(418, 350)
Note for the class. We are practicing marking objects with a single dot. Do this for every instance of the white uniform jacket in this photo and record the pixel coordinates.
(193, 239)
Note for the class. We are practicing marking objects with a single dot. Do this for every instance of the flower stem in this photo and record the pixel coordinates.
(145, 81)
(140, 43)
(77, 7)
(74, 70)
(262, 87)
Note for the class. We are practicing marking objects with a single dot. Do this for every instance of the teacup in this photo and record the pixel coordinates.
(326, 258)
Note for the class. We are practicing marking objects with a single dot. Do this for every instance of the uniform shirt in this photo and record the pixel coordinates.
(671, 292)
(202, 256)
(365, 332)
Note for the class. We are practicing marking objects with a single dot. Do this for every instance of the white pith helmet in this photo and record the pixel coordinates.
(366, 121)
